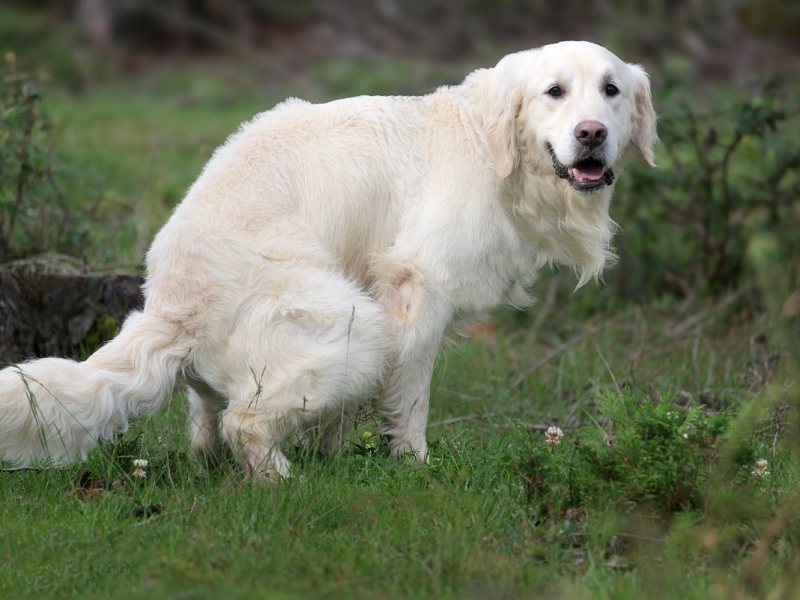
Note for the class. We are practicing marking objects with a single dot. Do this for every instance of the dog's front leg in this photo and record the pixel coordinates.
(406, 398)
(421, 318)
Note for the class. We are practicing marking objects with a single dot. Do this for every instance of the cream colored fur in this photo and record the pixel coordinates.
(325, 250)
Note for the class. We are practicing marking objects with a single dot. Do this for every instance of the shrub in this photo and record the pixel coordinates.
(641, 453)
(35, 215)
(725, 175)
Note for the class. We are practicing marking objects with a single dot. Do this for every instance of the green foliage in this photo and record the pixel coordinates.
(370, 77)
(44, 43)
(35, 215)
(639, 453)
(103, 330)
(725, 176)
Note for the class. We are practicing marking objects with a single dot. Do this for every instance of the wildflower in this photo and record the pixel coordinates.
(139, 468)
(370, 441)
(553, 436)
(761, 469)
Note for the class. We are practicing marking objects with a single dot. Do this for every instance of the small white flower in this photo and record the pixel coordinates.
(140, 464)
(761, 469)
(553, 435)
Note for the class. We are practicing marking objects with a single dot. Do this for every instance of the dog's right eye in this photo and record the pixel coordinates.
(555, 91)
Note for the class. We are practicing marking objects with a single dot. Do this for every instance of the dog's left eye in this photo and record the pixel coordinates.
(611, 89)
(555, 91)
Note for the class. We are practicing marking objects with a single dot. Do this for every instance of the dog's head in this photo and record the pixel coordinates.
(573, 107)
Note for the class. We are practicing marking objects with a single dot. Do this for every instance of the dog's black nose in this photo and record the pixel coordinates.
(590, 133)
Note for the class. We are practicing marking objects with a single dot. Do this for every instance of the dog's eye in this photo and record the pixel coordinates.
(611, 89)
(555, 91)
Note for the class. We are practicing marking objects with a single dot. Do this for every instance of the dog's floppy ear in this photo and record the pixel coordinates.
(505, 102)
(644, 116)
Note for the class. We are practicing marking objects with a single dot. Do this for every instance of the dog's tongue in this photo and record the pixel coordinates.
(588, 173)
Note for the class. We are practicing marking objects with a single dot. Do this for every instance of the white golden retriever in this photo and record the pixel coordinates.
(323, 253)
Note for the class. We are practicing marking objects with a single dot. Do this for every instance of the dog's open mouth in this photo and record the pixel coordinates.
(588, 173)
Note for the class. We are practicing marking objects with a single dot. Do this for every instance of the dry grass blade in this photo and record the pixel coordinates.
(561, 349)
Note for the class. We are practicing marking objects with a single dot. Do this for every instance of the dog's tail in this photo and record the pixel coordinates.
(53, 411)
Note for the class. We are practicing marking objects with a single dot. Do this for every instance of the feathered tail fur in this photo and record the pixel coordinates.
(53, 411)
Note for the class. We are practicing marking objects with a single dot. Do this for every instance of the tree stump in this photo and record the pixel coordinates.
(60, 311)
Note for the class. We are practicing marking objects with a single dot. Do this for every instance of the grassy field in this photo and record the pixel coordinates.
(654, 489)
(496, 512)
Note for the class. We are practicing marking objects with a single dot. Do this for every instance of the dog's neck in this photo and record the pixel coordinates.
(565, 226)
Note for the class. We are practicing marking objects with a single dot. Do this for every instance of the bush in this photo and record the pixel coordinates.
(725, 176)
(642, 453)
(35, 215)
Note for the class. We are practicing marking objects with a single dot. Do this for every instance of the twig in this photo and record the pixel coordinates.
(544, 311)
(460, 419)
(18, 469)
(557, 351)
(705, 315)
(645, 538)
(473, 416)
(529, 426)
(608, 368)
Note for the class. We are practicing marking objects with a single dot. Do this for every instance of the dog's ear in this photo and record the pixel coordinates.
(644, 116)
(505, 103)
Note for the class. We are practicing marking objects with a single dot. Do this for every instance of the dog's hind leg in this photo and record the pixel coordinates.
(255, 436)
(296, 359)
(204, 423)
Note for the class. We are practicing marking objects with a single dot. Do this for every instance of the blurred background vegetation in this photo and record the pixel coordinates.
(110, 109)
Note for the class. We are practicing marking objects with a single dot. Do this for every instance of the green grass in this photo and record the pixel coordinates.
(135, 158)
(470, 523)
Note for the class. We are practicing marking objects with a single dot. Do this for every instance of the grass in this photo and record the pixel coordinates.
(136, 157)
(470, 523)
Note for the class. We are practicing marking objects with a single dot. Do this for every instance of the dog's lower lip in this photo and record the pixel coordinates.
(583, 185)
(586, 175)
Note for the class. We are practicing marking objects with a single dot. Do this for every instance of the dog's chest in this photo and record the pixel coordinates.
(479, 261)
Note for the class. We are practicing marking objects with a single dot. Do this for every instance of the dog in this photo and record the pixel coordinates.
(326, 249)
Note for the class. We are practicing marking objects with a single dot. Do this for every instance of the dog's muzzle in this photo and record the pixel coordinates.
(588, 173)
